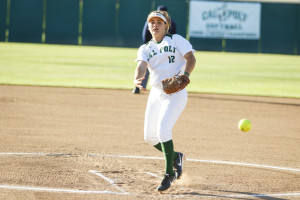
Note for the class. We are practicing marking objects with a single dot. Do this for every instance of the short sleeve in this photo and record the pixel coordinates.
(142, 54)
(182, 44)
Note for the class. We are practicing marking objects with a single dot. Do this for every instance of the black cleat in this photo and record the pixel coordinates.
(178, 164)
(166, 182)
(136, 90)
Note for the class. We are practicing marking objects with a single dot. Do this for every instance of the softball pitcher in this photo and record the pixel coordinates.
(165, 55)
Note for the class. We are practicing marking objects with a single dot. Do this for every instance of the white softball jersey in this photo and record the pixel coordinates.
(164, 59)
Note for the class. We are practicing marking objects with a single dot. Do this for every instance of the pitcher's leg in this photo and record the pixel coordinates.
(151, 118)
(169, 114)
(158, 146)
(171, 109)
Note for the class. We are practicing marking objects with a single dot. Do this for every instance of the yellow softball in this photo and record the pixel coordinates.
(244, 125)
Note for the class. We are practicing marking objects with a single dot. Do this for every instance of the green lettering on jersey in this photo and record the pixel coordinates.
(171, 59)
(166, 48)
(149, 56)
(162, 50)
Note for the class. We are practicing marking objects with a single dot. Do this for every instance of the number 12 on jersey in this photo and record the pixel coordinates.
(171, 59)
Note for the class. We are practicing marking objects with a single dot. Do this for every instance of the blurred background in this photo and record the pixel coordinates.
(119, 23)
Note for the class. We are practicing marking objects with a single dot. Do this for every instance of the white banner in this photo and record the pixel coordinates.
(231, 20)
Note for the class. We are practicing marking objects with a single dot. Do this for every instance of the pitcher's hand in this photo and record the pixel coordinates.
(138, 83)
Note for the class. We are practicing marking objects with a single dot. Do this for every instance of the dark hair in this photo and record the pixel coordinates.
(162, 8)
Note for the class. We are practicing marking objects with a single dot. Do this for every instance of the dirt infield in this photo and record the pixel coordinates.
(71, 143)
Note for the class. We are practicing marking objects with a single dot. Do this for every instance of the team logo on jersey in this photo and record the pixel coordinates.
(151, 54)
(167, 49)
(163, 49)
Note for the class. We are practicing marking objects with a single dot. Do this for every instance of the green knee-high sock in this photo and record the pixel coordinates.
(158, 146)
(168, 150)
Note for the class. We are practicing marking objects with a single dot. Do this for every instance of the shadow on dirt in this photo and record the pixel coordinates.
(245, 100)
(237, 195)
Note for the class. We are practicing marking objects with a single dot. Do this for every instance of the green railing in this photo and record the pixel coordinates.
(120, 23)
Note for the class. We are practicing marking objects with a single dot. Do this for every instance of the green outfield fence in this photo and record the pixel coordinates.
(119, 23)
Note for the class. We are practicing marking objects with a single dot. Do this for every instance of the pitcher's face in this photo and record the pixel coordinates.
(157, 26)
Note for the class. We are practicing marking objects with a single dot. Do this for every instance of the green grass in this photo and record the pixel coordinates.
(105, 67)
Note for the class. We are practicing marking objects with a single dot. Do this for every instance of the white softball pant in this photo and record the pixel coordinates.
(162, 112)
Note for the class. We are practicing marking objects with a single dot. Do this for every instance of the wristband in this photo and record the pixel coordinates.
(186, 73)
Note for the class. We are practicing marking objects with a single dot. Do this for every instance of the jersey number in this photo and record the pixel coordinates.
(171, 59)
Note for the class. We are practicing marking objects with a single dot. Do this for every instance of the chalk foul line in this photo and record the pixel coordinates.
(154, 175)
(211, 161)
(108, 180)
(41, 189)
(161, 158)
